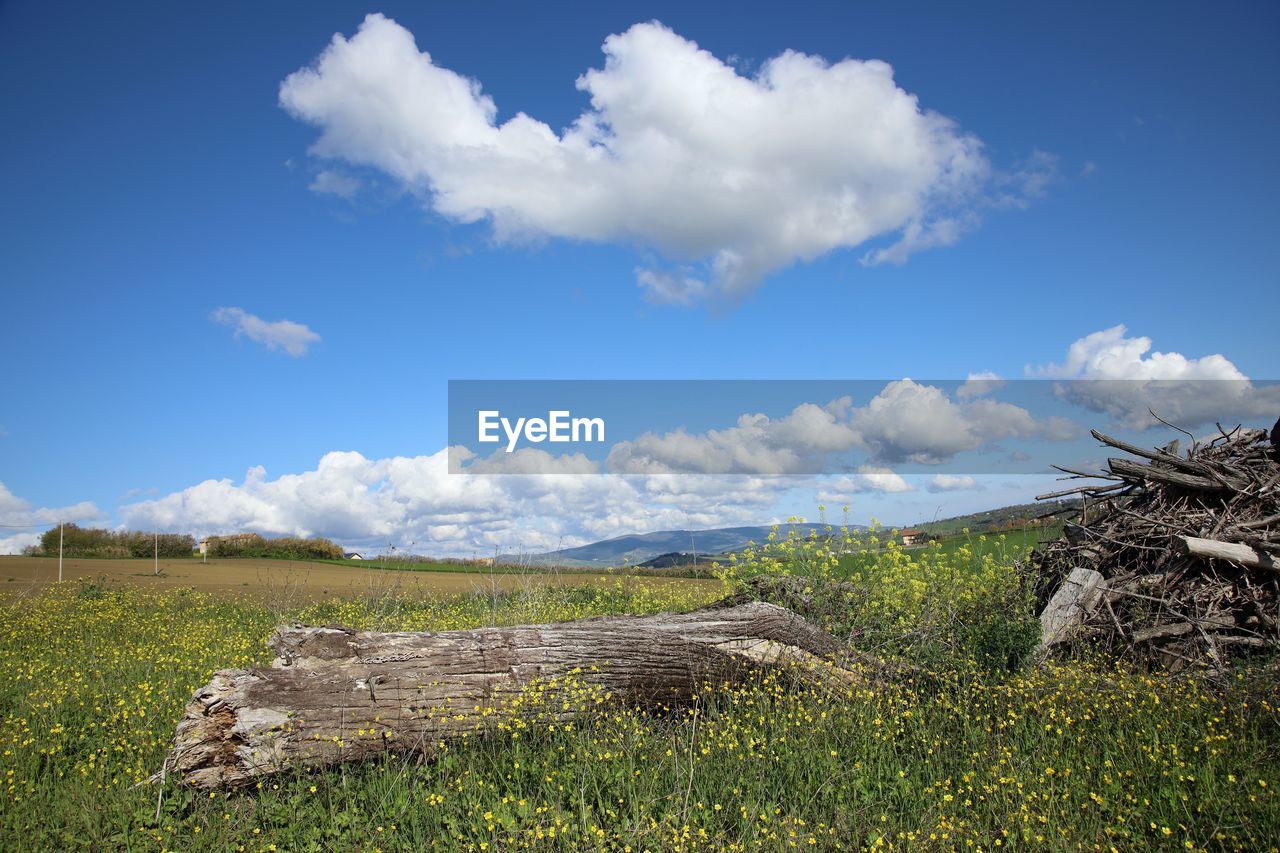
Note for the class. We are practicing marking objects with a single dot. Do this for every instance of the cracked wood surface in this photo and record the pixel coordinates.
(334, 695)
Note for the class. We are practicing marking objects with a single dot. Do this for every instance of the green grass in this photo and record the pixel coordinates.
(1006, 547)
(92, 681)
(992, 519)
(704, 570)
(1014, 545)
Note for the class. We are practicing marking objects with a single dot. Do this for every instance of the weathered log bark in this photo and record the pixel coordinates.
(334, 695)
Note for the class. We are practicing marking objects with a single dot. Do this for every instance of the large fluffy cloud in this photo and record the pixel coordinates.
(905, 422)
(1112, 354)
(912, 422)
(1113, 373)
(740, 474)
(417, 503)
(795, 444)
(403, 500)
(677, 152)
(21, 524)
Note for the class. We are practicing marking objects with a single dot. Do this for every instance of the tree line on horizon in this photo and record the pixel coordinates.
(77, 541)
(72, 540)
(276, 548)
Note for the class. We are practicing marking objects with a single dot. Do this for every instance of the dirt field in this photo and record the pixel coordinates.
(271, 577)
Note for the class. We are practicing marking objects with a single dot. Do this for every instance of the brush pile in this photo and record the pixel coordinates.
(1186, 551)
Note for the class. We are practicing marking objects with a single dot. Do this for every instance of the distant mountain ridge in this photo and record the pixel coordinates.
(636, 548)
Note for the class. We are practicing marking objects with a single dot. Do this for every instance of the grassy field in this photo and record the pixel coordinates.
(981, 751)
(286, 582)
(989, 521)
(1005, 547)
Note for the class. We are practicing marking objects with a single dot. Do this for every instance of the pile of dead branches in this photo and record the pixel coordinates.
(1175, 559)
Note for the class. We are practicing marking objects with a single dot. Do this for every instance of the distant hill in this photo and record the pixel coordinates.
(1002, 518)
(678, 546)
(677, 559)
(637, 548)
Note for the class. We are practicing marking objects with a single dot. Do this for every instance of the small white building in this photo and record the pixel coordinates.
(352, 555)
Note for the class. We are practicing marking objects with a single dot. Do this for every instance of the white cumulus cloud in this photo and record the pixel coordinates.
(906, 421)
(375, 502)
(869, 479)
(951, 483)
(979, 385)
(909, 421)
(757, 444)
(1113, 373)
(21, 524)
(279, 335)
(525, 461)
(678, 153)
(1112, 354)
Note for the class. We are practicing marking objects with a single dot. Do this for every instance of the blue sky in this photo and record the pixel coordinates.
(152, 176)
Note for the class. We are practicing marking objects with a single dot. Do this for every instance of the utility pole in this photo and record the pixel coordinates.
(157, 550)
(59, 552)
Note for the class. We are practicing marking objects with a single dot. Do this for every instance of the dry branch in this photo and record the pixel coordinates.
(335, 695)
(1233, 552)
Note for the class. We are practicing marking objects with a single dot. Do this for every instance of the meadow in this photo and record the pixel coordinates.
(1005, 547)
(978, 749)
(284, 582)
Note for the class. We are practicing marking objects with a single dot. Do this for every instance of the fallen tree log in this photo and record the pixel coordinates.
(335, 695)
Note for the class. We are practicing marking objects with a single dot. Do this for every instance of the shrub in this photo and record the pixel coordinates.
(279, 548)
(79, 541)
(1000, 641)
(964, 600)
